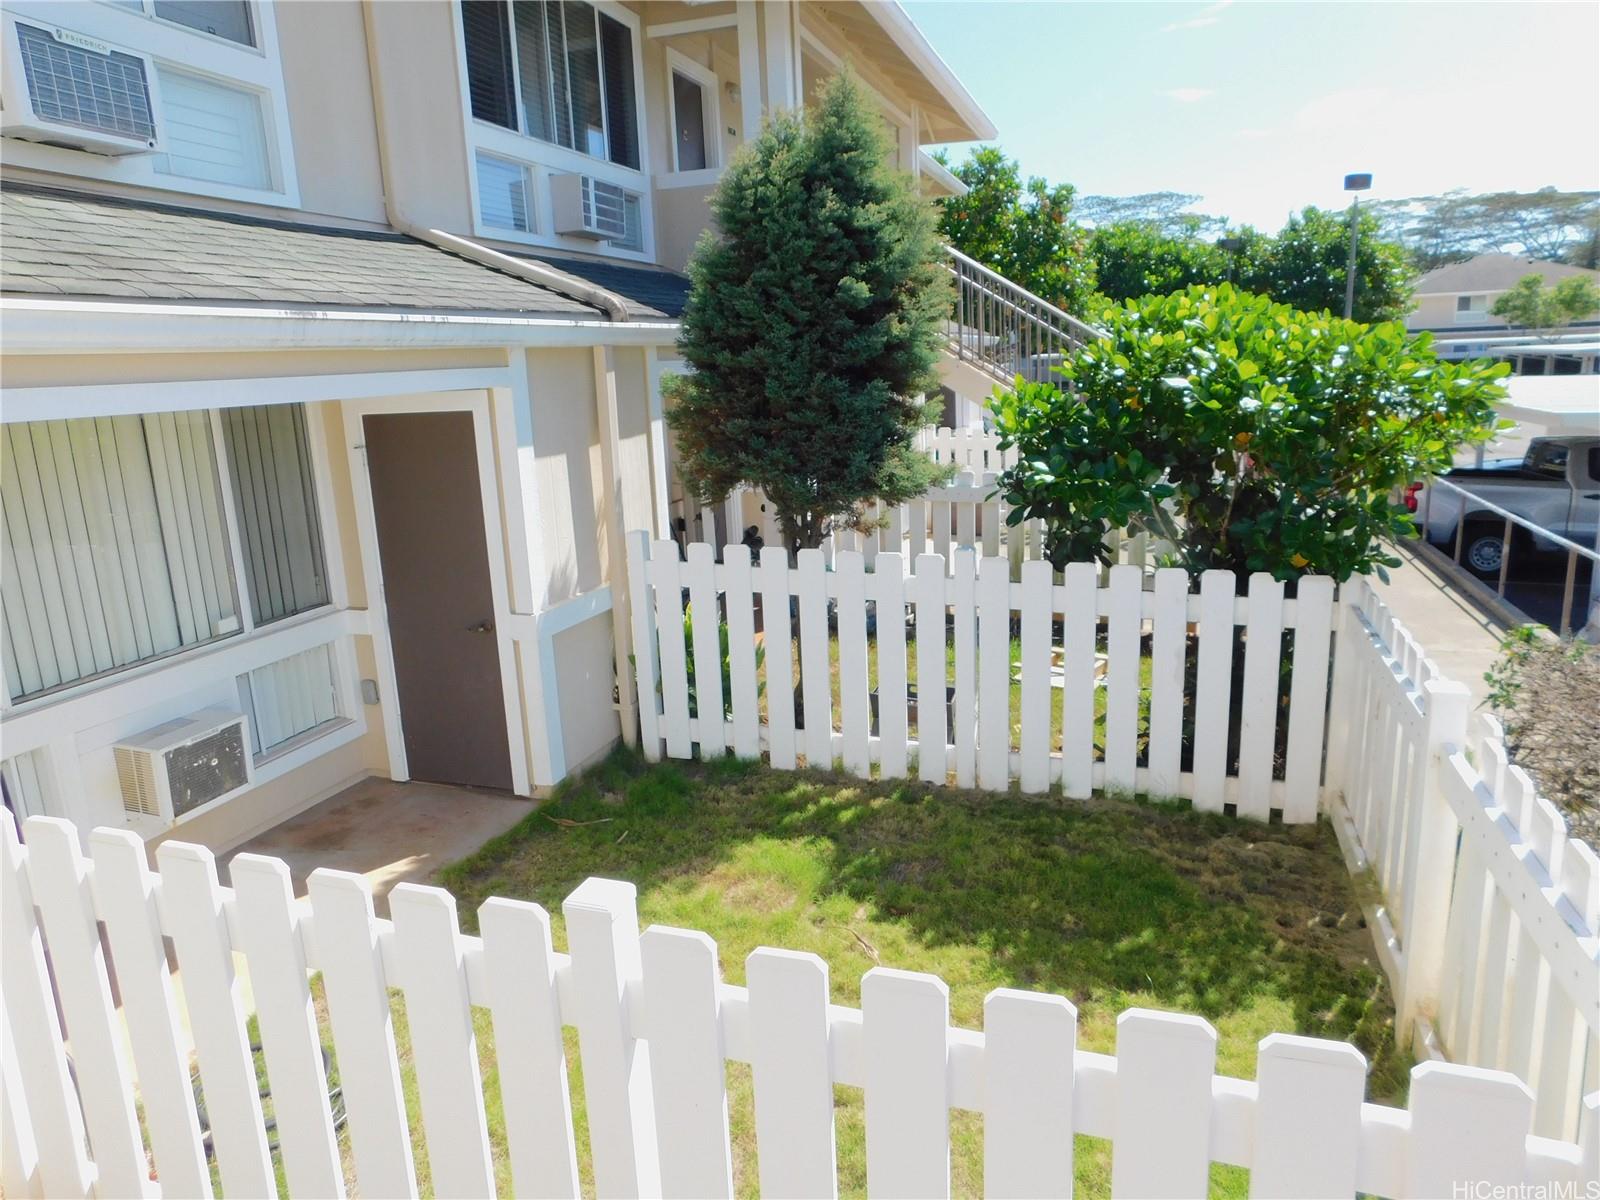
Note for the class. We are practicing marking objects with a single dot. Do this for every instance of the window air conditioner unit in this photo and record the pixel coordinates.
(172, 770)
(588, 207)
(64, 89)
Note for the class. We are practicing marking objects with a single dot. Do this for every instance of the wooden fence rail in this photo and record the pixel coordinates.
(994, 631)
(655, 1026)
(1491, 913)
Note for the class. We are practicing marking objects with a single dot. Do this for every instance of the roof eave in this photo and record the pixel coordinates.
(903, 31)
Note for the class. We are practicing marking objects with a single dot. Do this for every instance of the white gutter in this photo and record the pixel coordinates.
(903, 32)
(41, 326)
(537, 273)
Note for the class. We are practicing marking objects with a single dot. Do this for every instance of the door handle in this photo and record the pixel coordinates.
(484, 626)
(1591, 495)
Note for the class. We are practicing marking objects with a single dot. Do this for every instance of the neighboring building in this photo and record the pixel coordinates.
(1453, 303)
(332, 349)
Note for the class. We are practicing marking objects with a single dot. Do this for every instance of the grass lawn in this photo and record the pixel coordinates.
(1111, 903)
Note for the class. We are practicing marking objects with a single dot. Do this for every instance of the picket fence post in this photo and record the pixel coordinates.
(1347, 641)
(1431, 851)
(647, 667)
(603, 934)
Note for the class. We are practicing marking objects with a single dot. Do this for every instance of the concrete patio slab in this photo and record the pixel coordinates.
(390, 832)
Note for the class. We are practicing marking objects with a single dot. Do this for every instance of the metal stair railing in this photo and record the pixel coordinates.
(1003, 328)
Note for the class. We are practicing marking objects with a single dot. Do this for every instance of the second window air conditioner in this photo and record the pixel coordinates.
(64, 89)
(584, 206)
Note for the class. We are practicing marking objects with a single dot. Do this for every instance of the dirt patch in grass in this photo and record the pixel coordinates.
(1112, 903)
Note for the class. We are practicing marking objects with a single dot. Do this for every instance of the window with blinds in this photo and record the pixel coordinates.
(275, 499)
(115, 545)
(503, 198)
(557, 70)
(290, 697)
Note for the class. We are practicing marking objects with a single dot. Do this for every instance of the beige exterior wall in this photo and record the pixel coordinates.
(330, 108)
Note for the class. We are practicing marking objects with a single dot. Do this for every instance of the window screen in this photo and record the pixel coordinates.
(503, 193)
(275, 496)
(622, 117)
(115, 545)
(225, 18)
(488, 46)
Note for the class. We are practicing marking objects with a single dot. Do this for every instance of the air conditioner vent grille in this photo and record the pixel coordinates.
(206, 768)
(136, 774)
(106, 92)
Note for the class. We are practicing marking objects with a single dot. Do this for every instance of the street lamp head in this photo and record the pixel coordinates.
(1231, 245)
(1357, 183)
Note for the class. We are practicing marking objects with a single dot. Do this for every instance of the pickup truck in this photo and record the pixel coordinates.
(1555, 485)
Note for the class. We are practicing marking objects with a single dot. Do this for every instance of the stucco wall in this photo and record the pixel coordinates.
(330, 108)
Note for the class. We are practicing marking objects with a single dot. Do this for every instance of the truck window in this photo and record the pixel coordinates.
(1548, 459)
(1594, 462)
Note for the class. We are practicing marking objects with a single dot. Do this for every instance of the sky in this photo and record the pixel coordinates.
(1262, 108)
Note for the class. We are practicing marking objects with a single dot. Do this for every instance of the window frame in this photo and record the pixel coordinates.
(710, 111)
(543, 159)
(254, 69)
(249, 627)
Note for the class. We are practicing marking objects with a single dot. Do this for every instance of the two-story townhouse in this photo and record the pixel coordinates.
(332, 343)
(1454, 303)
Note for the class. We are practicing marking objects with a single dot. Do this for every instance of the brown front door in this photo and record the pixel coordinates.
(435, 561)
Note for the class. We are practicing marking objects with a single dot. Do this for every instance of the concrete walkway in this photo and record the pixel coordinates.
(390, 832)
(1456, 633)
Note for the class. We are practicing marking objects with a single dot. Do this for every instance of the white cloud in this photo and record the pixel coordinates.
(1253, 135)
(1188, 95)
(1209, 15)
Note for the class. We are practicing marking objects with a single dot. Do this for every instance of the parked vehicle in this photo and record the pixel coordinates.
(1555, 485)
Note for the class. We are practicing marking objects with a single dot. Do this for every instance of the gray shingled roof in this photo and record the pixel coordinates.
(650, 293)
(1494, 273)
(61, 243)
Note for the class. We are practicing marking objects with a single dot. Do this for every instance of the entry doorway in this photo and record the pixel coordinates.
(439, 595)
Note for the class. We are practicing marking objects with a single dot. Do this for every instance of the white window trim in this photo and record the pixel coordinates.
(544, 158)
(257, 69)
(711, 111)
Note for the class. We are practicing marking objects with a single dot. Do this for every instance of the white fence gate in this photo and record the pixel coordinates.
(966, 614)
(1492, 914)
(655, 1026)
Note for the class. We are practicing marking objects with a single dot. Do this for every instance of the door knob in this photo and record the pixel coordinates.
(484, 626)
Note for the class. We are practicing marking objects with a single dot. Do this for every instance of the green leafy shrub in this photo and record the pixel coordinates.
(1253, 436)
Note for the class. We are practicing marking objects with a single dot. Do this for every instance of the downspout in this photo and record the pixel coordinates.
(541, 274)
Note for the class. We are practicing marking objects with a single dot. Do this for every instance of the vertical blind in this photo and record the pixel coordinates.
(292, 696)
(115, 545)
(115, 541)
(275, 499)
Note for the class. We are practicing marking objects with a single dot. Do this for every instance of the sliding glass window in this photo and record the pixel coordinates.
(115, 545)
(570, 66)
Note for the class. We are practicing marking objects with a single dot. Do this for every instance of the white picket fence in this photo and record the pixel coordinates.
(968, 448)
(967, 610)
(1492, 913)
(655, 1027)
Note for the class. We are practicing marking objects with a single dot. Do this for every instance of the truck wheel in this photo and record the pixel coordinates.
(1482, 549)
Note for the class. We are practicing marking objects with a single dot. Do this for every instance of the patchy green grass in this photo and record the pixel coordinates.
(1111, 903)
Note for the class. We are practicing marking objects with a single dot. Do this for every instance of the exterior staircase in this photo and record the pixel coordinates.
(1001, 330)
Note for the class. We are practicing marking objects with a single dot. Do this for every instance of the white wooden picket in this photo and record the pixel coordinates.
(1491, 913)
(974, 736)
(656, 1026)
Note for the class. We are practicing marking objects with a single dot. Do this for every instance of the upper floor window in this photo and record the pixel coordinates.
(1472, 304)
(228, 19)
(557, 70)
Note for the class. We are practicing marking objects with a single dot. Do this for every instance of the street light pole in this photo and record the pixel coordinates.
(1354, 184)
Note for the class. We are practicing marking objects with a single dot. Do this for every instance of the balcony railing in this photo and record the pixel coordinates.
(1003, 328)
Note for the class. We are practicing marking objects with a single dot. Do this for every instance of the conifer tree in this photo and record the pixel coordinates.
(813, 324)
